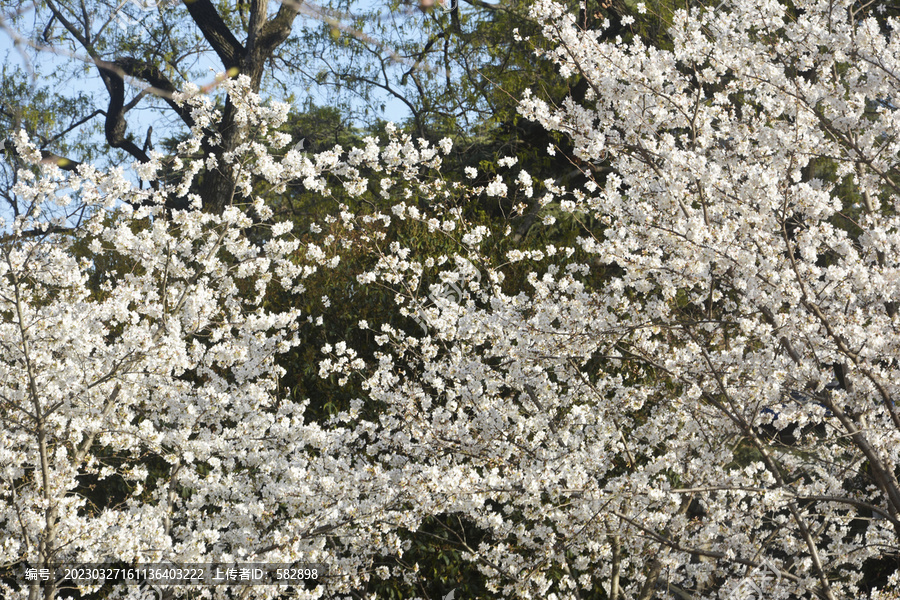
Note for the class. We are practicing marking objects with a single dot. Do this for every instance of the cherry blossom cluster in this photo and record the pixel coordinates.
(706, 385)
(139, 358)
(699, 390)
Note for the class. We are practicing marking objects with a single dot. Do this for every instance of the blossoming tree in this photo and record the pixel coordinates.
(694, 399)
(718, 411)
(139, 392)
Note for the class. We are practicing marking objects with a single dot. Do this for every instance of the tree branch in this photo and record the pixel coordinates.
(277, 29)
(75, 125)
(161, 86)
(116, 127)
(216, 32)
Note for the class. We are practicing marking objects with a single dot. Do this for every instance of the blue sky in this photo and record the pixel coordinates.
(86, 80)
(72, 75)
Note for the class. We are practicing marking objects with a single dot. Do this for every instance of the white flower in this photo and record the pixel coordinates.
(496, 187)
(578, 390)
